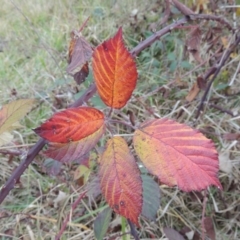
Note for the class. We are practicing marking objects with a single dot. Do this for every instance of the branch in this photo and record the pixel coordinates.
(166, 13)
(156, 36)
(21, 168)
(193, 16)
(222, 109)
(11, 152)
(215, 70)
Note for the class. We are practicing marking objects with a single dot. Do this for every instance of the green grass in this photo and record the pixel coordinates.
(34, 38)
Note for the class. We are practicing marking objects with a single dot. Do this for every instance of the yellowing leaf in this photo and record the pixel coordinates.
(177, 154)
(120, 179)
(13, 112)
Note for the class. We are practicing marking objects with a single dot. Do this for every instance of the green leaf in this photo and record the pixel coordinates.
(151, 197)
(101, 223)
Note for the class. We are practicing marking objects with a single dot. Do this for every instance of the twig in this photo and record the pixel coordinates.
(65, 223)
(216, 71)
(21, 168)
(182, 8)
(166, 13)
(149, 41)
(11, 152)
(85, 97)
(193, 16)
(235, 75)
(212, 18)
(222, 109)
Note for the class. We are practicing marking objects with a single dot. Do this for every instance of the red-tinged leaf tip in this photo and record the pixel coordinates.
(120, 179)
(177, 154)
(114, 71)
(68, 152)
(71, 125)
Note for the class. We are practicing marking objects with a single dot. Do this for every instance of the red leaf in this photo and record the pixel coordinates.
(115, 71)
(71, 125)
(68, 152)
(120, 179)
(177, 154)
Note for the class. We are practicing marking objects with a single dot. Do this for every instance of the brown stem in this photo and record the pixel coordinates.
(193, 16)
(85, 97)
(167, 13)
(182, 8)
(11, 152)
(222, 109)
(20, 169)
(216, 69)
(150, 40)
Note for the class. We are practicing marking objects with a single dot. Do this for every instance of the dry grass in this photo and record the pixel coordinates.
(34, 37)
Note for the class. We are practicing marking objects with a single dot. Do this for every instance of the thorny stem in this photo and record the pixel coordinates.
(33, 152)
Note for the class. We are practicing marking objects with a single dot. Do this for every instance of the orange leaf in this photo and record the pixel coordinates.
(177, 154)
(120, 179)
(68, 152)
(71, 125)
(114, 71)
